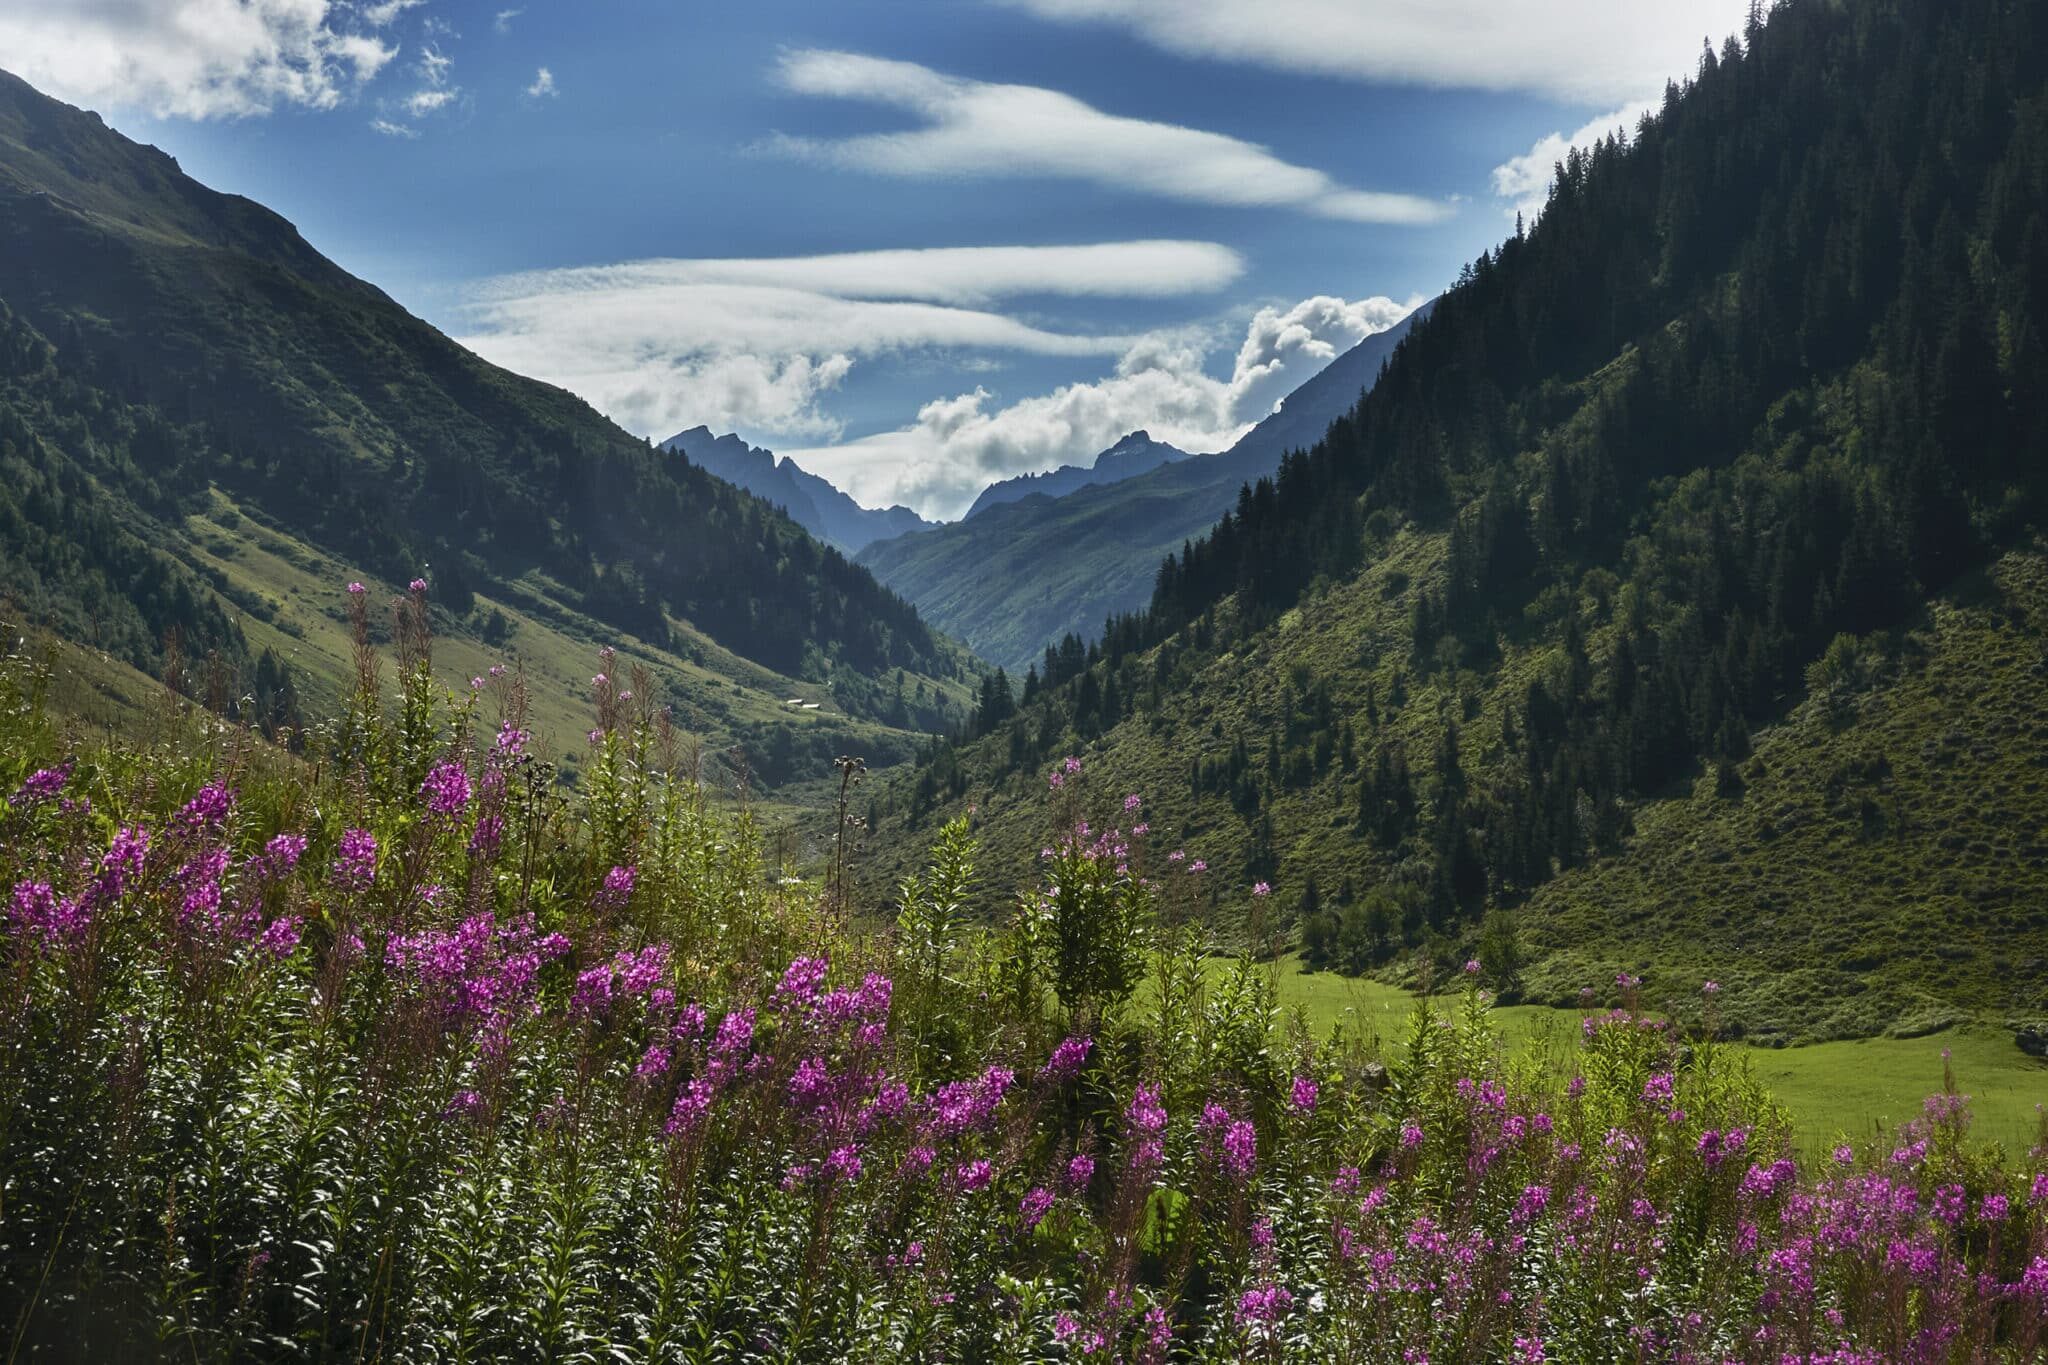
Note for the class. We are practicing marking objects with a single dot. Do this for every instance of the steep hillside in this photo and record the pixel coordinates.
(1017, 578)
(1881, 858)
(1673, 602)
(811, 502)
(1024, 573)
(1135, 454)
(166, 351)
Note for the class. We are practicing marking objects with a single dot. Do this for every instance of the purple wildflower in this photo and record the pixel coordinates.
(446, 789)
(1240, 1150)
(618, 886)
(209, 809)
(39, 911)
(40, 786)
(1263, 1306)
(1035, 1206)
(1066, 1061)
(281, 939)
(355, 862)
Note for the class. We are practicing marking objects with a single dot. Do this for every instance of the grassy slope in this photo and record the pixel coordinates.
(291, 598)
(1825, 927)
(711, 688)
(1887, 864)
(1350, 636)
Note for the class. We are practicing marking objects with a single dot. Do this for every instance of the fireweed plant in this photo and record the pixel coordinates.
(399, 1051)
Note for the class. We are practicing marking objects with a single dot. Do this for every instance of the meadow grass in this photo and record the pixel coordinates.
(1851, 1089)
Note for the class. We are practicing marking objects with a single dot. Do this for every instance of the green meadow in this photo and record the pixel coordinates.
(1832, 1090)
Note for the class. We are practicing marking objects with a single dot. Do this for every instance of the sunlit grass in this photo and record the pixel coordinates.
(1832, 1090)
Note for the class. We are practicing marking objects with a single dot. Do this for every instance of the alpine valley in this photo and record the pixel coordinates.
(1023, 569)
(1532, 849)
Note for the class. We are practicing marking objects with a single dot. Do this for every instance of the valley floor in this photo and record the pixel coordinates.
(1832, 1090)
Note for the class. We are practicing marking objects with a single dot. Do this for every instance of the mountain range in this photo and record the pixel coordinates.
(811, 502)
(1019, 576)
(207, 429)
(1135, 454)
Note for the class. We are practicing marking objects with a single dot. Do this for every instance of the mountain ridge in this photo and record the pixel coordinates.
(1023, 575)
(1134, 454)
(164, 346)
(813, 502)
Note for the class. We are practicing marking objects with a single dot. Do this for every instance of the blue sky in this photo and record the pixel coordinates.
(918, 244)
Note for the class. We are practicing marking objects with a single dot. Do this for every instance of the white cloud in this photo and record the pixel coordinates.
(503, 20)
(391, 129)
(543, 84)
(189, 58)
(1281, 350)
(959, 445)
(382, 13)
(422, 102)
(1525, 180)
(760, 393)
(975, 128)
(754, 343)
(951, 275)
(434, 66)
(1586, 51)
(436, 93)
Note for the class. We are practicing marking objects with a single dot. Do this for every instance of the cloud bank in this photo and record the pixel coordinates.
(195, 59)
(1585, 51)
(980, 129)
(958, 445)
(755, 343)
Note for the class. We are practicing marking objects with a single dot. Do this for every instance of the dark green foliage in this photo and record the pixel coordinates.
(78, 545)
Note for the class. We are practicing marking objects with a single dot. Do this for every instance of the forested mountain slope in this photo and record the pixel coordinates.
(1010, 580)
(1677, 585)
(163, 346)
